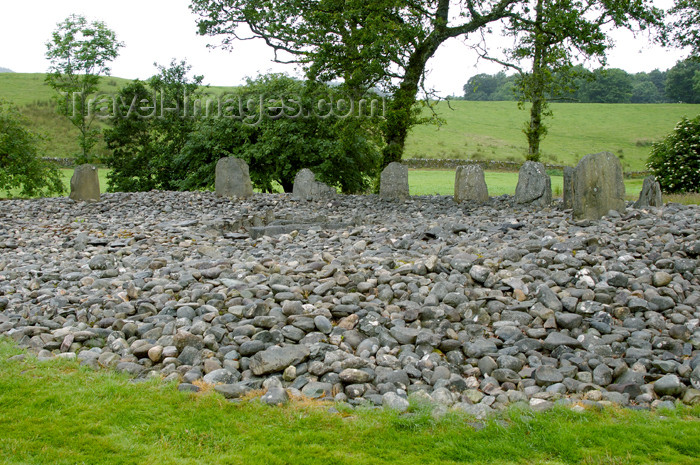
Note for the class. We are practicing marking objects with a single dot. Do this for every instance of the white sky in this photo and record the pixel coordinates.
(159, 30)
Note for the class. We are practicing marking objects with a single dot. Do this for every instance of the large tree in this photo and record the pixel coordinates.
(382, 43)
(275, 124)
(80, 52)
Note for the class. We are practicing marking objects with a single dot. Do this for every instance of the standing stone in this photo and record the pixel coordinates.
(85, 184)
(650, 195)
(598, 186)
(568, 187)
(307, 188)
(394, 182)
(534, 185)
(470, 184)
(233, 178)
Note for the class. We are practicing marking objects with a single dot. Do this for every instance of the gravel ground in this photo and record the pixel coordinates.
(361, 300)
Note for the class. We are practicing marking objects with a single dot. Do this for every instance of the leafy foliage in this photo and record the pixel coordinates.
(20, 164)
(280, 126)
(486, 87)
(684, 30)
(79, 52)
(384, 43)
(586, 87)
(607, 86)
(149, 130)
(675, 161)
(683, 82)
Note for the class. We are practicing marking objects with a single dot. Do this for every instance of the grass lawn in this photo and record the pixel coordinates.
(442, 182)
(59, 413)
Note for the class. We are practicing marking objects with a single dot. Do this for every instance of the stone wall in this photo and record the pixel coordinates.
(487, 165)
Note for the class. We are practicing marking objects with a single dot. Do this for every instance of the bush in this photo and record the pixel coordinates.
(277, 124)
(144, 139)
(21, 168)
(283, 125)
(675, 161)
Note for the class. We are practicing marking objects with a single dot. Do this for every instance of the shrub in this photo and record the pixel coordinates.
(277, 124)
(285, 126)
(144, 139)
(675, 161)
(21, 168)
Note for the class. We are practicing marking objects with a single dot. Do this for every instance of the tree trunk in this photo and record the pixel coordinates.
(400, 114)
(535, 129)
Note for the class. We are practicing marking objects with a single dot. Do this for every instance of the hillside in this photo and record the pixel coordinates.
(5, 70)
(493, 131)
(472, 130)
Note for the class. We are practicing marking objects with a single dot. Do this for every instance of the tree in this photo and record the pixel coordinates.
(684, 29)
(79, 53)
(645, 92)
(680, 82)
(384, 43)
(277, 126)
(489, 87)
(611, 85)
(550, 38)
(20, 164)
(153, 122)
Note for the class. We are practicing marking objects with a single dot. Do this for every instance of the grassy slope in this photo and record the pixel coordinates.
(34, 97)
(474, 130)
(27, 88)
(63, 414)
(492, 131)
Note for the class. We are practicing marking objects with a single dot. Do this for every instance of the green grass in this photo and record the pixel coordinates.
(59, 413)
(441, 182)
(28, 88)
(35, 98)
(493, 131)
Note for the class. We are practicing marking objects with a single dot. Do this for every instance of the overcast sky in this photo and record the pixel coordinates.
(159, 30)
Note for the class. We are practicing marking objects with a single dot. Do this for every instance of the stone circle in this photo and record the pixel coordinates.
(361, 302)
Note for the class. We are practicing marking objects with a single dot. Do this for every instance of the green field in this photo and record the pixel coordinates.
(472, 130)
(59, 413)
(493, 131)
(441, 182)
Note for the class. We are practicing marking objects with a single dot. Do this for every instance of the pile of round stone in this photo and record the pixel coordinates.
(361, 300)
